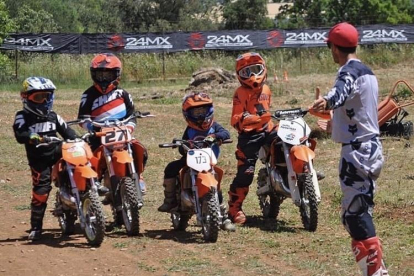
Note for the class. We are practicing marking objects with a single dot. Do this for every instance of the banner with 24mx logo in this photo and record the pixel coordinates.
(194, 41)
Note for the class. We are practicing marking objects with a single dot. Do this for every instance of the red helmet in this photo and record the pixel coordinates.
(344, 35)
(106, 72)
(251, 71)
(198, 110)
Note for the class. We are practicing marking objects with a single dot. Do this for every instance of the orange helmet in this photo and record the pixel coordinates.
(105, 72)
(251, 70)
(198, 110)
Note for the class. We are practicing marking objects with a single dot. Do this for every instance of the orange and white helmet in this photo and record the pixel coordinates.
(198, 110)
(251, 71)
(106, 72)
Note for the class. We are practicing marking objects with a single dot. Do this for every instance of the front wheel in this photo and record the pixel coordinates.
(94, 218)
(210, 214)
(130, 206)
(309, 204)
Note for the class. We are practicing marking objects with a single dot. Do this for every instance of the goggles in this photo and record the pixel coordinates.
(40, 96)
(105, 75)
(247, 72)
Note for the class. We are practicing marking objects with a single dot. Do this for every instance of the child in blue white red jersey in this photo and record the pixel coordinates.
(105, 100)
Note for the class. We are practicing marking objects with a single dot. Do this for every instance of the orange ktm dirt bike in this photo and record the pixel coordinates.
(288, 170)
(120, 161)
(77, 195)
(198, 186)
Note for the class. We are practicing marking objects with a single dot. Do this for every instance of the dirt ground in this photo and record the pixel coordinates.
(259, 248)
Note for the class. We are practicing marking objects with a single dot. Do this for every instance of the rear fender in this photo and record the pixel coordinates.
(139, 153)
(301, 155)
(57, 168)
(205, 182)
(218, 176)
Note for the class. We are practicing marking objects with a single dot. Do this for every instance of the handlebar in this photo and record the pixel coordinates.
(189, 144)
(289, 113)
(46, 140)
(111, 122)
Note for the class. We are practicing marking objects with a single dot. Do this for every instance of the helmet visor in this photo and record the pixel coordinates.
(247, 72)
(40, 96)
(199, 113)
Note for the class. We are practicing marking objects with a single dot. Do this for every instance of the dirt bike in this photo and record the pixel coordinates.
(120, 161)
(198, 186)
(288, 170)
(77, 195)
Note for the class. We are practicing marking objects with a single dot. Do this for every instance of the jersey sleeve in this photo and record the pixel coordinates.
(220, 132)
(21, 129)
(130, 109)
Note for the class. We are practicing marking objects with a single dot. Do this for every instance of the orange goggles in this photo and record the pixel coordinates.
(40, 97)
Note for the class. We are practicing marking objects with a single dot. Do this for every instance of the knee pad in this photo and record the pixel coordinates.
(357, 219)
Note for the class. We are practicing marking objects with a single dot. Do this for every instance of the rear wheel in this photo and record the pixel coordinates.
(94, 218)
(180, 221)
(210, 214)
(309, 204)
(130, 207)
(66, 218)
(269, 203)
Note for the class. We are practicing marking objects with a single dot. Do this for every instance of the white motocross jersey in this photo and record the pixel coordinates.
(354, 99)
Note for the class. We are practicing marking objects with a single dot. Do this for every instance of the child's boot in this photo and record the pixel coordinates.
(170, 197)
(226, 223)
(235, 205)
(36, 221)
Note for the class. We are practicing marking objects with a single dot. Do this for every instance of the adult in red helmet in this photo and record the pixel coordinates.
(251, 118)
(106, 100)
(353, 100)
(198, 112)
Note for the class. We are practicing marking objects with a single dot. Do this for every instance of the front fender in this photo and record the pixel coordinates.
(301, 155)
(205, 181)
(122, 156)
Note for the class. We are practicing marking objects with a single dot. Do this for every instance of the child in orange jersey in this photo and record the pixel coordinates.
(252, 120)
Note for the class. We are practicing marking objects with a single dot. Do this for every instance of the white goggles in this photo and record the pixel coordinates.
(247, 72)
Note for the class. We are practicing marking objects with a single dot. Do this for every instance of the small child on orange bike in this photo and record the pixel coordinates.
(32, 125)
(198, 111)
(252, 120)
(106, 100)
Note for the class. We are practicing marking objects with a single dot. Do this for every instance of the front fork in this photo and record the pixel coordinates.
(197, 205)
(76, 197)
(115, 179)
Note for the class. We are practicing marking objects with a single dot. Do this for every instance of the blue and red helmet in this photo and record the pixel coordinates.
(198, 110)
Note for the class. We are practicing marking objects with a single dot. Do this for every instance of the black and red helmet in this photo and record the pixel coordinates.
(106, 72)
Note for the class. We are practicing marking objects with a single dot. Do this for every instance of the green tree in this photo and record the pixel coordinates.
(246, 14)
(6, 24)
(31, 21)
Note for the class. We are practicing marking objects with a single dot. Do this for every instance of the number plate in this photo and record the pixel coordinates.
(201, 159)
(115, 135)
